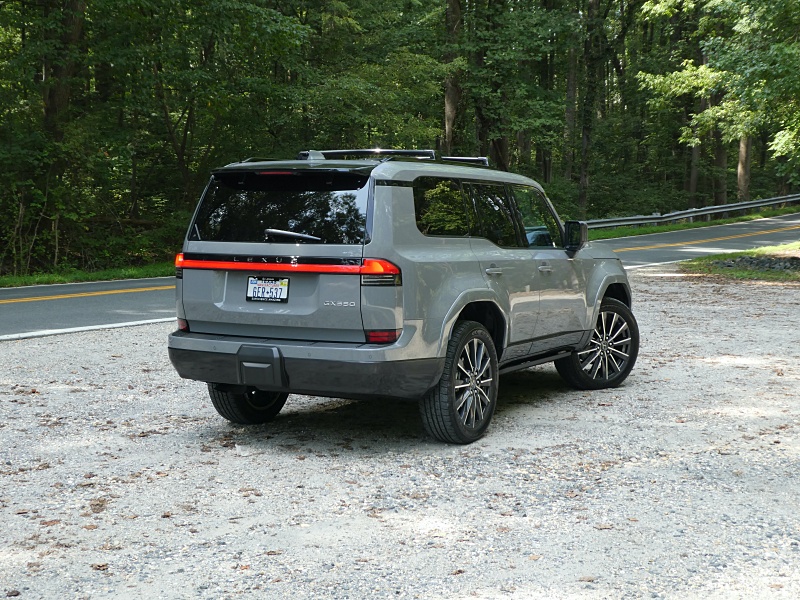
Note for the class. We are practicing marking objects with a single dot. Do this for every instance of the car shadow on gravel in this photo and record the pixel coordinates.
(378, 424)
(320, 423)
(537, 386)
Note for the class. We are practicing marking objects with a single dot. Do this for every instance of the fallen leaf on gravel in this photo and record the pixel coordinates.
(274, 552)
(100, 566)
(90, 527)
(605, 404)
(778, 372)
(776, 586)
(12, 594)
(588, 579)
(534, 557)
(604, 526)
(166, 515)
(680, 420)
(633, 520)
(458, 572)
(50, 523)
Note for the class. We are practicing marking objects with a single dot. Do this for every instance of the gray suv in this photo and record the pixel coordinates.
(400, 274)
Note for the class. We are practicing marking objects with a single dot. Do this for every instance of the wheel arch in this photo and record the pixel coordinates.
(481, 310)
(489, 315)
(618, 291)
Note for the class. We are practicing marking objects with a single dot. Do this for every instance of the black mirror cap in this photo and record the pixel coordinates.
(577, 235)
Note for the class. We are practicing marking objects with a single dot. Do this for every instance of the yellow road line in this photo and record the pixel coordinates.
(717, 239)
(85, 294)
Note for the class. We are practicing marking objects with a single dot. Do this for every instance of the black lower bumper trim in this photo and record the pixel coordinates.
(265, 368)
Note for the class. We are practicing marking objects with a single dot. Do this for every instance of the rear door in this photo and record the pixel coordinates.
(276, 253)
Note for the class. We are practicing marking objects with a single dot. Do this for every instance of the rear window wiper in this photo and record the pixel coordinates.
(291, 234)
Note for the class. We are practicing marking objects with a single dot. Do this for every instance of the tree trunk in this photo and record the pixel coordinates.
(693, 176)
(743, 170)
(720, 169)
(452, 90)
(61, 67)
(569, 113)
(591, 54)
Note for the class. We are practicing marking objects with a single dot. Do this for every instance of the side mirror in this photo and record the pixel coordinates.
(577, 235)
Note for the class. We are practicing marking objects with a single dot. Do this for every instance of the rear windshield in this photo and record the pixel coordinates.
(304, 207)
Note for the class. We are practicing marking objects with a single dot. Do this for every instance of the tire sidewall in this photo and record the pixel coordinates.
(470, 331)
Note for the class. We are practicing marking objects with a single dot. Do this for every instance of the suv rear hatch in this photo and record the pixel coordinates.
(276, 251)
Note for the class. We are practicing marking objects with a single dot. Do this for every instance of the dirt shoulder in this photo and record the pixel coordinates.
(117, 478)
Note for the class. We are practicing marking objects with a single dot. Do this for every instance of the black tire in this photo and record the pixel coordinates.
(459, 409)
(608, 359)
(250, 407)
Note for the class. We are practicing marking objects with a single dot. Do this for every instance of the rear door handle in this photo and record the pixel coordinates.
(494, 271)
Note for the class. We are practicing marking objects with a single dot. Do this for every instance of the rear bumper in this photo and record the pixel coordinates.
(317, 369)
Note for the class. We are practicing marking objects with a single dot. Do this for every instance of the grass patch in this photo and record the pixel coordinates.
(618, 232)
(165, 269)
(755, 267)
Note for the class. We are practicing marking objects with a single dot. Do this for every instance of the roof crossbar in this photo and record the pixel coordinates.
(365, 153)
(471, 160)
(388, 154)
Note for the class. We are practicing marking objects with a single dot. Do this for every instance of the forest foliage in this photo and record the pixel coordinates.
(113, 112)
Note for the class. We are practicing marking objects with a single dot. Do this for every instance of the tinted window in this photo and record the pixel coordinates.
(440, 208)
(541, 227)
(293, 207)
(494, 212)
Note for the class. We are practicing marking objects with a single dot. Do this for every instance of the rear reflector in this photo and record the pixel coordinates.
(383, 336)
(183, 325)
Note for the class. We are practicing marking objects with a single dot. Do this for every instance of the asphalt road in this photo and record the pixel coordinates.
(675, 246)
(45, 309)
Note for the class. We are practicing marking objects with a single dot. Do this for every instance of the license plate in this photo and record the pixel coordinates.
(268, 289)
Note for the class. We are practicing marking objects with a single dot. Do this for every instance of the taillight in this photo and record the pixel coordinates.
(179, 266)
(183, 325)
(376, 271)
(383, 336)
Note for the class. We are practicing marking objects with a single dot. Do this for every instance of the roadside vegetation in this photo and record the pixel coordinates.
(618, 232)
(771, 263)
(163, 269)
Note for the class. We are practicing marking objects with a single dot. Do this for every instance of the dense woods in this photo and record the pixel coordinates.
(112, 112)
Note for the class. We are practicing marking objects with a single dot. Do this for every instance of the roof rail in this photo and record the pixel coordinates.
(257, 159)
(365, 153)
(388, 154)
(471, 160)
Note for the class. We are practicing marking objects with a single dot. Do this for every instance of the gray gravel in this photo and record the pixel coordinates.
(118, 480)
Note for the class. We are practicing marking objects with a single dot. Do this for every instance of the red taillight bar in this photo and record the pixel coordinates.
(369, 266)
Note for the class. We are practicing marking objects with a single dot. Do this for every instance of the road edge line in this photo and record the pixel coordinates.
(48, 332)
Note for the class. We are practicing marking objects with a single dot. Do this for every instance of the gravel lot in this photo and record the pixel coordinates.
(118, 479)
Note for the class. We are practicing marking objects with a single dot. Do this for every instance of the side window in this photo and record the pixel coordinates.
(440, 208)
(541, 228)
(495, 214)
